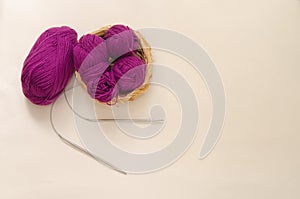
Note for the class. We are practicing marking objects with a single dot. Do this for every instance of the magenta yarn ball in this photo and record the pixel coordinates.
(129, 73)
(103, 88)
(49, 65)
(91, 62)
(90, 51)
(120, 40)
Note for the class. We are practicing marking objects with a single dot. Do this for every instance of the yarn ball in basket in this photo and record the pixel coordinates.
(129, 72)
(49, 65)
(120, 40)
(89, 51)
(103, 87)
(91, 62)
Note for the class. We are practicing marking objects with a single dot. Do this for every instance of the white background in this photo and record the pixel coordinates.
(256, 47)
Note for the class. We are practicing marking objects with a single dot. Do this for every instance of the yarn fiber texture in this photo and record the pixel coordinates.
(120, 40)
(129, 73)
(89, 51)
(103, 88)
(49, 65)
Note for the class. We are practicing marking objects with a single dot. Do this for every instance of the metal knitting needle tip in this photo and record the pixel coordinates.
(132, 119)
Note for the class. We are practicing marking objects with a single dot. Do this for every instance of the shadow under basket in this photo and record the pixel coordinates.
(144, 53)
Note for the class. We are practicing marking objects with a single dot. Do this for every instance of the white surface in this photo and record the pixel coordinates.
(256, 46)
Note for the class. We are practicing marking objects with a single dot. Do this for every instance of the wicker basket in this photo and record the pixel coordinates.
(143, 53)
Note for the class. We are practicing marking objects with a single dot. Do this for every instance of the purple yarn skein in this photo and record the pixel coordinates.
(120, 40)
(129, 73)
(49, 65)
